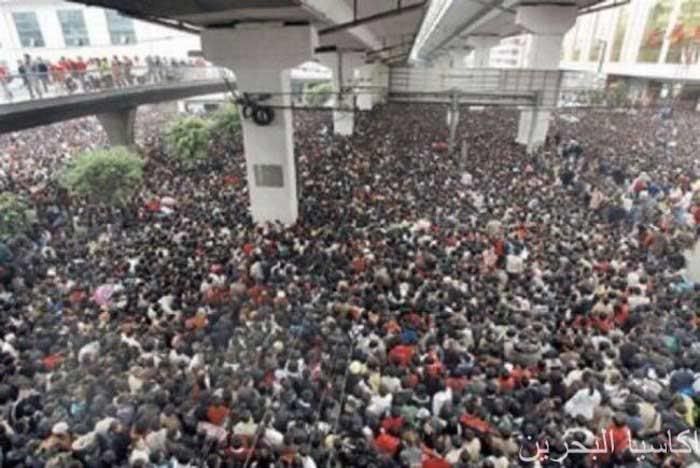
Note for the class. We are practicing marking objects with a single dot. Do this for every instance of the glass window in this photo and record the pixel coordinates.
(653, 39)
(121, 28)
(28, 29)
(596, 48)
(619, 37)
(685, 35)
(73, 25)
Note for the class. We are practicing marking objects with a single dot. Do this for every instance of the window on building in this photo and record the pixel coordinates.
(619, 37)
(73, 25)
(121, 28)
(28, 29)
(684, 39)
(655, 31)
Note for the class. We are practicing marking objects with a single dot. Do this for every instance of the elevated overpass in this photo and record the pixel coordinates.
(115, 108)
(261, 40)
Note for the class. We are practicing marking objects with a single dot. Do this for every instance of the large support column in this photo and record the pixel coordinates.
(343, 65)
(548, 24)
(119, 126)
(482, 46)
(262, 56)
(374, 81)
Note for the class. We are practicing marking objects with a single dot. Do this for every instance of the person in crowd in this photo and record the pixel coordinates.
(43, 74)
(68, 75)
(127, 65)
(28, 71)
(79, 68)
(118, 77)
(4, 82)
(412, 317)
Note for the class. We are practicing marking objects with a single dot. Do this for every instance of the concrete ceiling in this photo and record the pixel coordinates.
(363, 25)
(386, 29)
(464, 18)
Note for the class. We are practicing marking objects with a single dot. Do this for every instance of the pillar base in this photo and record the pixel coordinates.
(119, 126)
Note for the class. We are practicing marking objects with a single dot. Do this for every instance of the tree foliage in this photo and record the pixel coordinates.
(317, 95)
(188, 139)
(227, 121)
(109, 176)
(15, 217)
(618, 95)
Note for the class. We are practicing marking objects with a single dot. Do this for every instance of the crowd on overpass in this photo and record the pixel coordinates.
(39, 77)
(428, 310)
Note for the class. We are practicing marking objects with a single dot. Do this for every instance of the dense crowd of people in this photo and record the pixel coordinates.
(428, 309)
(40, 77)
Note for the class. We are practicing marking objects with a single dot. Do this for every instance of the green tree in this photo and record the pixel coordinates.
(15, 215)
(109, 176)
(317, 95)
(227, 121)
(188, 139)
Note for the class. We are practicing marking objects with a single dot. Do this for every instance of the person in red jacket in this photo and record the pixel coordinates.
(402, 355)
(394, 422)
(387, 442)
(616, 442)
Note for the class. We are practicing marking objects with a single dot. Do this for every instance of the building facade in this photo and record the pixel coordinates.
(643, 40)
(52, 29)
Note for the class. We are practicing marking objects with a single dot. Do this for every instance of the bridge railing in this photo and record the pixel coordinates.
(25, 86)
(544, 85)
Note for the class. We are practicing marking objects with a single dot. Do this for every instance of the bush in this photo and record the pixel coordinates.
(318, 95)
(227, 121)
(188, 139)
(15, 215)
(109, 176)
(618, 95)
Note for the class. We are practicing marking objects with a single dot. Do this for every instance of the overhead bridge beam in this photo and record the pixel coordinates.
(27, 114)
(590, 10)
(468, 98)
(391, 47)
(369, 19)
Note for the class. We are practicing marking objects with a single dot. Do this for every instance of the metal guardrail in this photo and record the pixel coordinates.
(544, 85)
(22, 87)
(468, 98)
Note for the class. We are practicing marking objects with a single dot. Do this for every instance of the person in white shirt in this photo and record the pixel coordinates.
(583, 403)
(440, 399)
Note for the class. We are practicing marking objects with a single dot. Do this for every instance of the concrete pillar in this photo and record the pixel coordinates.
(262, 57)
(343, 65)
(482, 46)
(119, 126)
(548, 24)
(374, 82)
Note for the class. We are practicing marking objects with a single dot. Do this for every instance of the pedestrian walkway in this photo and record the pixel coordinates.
(22, 86)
